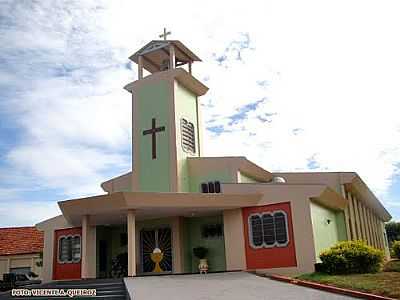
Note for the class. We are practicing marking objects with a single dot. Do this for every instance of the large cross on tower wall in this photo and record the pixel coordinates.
(153, 130)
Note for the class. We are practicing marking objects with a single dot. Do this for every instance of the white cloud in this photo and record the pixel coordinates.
(26, 213)
(330, 74)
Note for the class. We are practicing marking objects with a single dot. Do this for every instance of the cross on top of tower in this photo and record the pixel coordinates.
(165, 34)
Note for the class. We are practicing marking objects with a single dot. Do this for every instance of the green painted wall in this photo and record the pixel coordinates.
(326, 235)
(226, 176)
(246, 179)
(185, 107)
(192, 239)
(153, 101)
(341, 224)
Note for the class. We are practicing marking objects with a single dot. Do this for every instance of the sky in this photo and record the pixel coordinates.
(294, 86)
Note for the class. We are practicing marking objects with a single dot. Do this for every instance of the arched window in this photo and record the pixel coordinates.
(268, 229)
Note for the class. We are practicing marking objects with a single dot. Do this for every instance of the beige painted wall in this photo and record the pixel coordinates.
(49, 226)
(298, 196)
(234, 240)
(20, 261)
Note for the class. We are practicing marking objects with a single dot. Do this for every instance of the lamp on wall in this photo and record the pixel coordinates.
(328, 221)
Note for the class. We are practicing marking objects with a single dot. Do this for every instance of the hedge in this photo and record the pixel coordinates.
(396, 249)
(350, 257)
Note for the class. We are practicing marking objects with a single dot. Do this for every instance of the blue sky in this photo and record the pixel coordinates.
(293, 86)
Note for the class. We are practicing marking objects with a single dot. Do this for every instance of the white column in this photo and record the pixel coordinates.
(140, 67)
(171, 57)
(85, 230)
(131, 243)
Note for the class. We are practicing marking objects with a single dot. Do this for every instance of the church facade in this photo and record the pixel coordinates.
(175, 199)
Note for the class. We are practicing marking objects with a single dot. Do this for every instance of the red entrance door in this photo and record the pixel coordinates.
(67, 253)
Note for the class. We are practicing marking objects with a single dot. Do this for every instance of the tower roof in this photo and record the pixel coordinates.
(156, 52)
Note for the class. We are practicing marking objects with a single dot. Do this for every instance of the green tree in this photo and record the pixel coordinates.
(393, 231)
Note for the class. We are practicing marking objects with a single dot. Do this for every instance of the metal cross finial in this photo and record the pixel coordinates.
(164, 35)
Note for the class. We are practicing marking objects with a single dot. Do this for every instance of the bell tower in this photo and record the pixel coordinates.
(165, 116)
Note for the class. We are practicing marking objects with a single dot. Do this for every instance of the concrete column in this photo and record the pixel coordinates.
(84, 247)
(374, 232)
(380, 233)
(370, 237)
(177, 245)
(367, 237)
(234, 240)
(131, 224)
(190, 67)
(140, 67)
(371, 231)
(357, 217)
(352, 218)
(171, 57)
(378, 244)
(360, 211)
(346, 214)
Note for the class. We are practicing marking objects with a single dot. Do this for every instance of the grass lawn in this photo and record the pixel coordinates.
(386, 283)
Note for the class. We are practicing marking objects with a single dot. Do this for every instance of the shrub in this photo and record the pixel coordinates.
(396, 249)
(351, 257)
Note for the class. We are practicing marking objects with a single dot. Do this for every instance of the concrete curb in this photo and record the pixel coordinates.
(328, 288)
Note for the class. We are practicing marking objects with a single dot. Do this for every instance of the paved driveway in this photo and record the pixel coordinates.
(219, 286)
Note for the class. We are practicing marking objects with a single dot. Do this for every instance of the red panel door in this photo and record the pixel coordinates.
(65, 270)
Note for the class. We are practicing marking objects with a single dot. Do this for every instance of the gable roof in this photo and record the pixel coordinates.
(20, 240)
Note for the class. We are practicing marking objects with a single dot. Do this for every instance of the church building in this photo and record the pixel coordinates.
(175, 199)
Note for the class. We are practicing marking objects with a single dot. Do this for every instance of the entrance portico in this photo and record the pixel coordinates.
(146, 219)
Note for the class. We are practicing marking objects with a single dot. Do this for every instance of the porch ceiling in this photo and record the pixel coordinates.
(112, 208)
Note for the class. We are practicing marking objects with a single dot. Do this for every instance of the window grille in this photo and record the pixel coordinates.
(188, 136)
(256, 231)
(69, 249)
(211, 187)
(268, 229)
(280, 228)
(204, 188)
